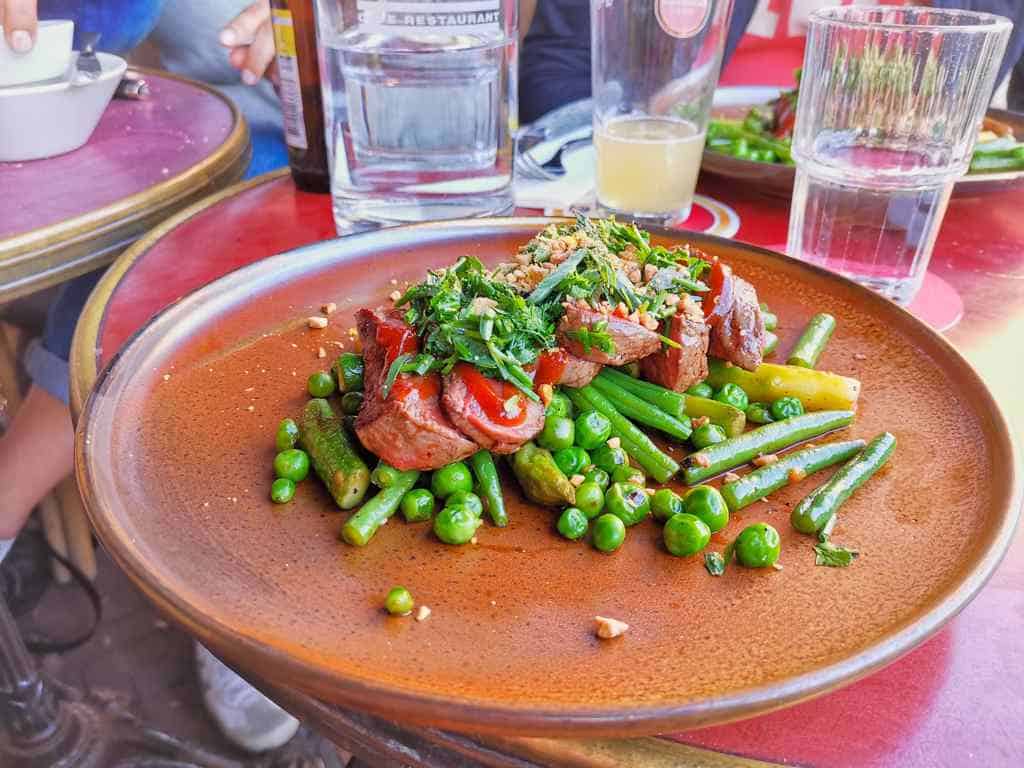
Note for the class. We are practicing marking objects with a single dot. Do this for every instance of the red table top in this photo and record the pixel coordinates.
(956, 700)
(136, 145)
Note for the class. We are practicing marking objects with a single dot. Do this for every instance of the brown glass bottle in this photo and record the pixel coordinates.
(301, 101)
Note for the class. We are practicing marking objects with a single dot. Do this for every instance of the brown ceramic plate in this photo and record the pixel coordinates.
(777, 180)
(174, 455)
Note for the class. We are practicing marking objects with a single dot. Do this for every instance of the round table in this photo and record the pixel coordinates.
(955, 700)
(66, 215)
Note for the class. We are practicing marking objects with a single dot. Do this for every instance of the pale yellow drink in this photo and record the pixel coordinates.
(647, 166)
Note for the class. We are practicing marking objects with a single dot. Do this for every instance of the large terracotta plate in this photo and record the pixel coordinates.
(777, 180)
(174, 454)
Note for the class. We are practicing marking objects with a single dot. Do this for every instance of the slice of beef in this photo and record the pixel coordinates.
(488, 431)
(738, 335)
(632, 341)
(578, 372)
(681, 368)
(408, 430)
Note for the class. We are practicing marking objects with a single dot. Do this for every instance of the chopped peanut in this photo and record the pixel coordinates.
(316, 322)
(329, 308)
(765, 460)
(700, 422)
(547, 393)
(577, 480)
(796, 475)
(859, 356)
(321, 353)
(700, 459)
(423, 613)
(649, 271)
(730, 477)
(671, 300)
(608, 628)
(614, 442)
(395, 295)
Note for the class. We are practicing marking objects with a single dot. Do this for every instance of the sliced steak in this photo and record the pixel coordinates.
(578, 372)
(477, 406)
(737, 334)
(631, 340)
(408, 430)
(681, 368)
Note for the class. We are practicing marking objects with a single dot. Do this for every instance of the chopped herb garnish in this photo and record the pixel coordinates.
(407, 363)
(833, 555)
(594, 337)
(715, 563)
(556, 276)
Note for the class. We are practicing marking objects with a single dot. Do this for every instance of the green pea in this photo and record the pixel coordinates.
(456, 525)
(707, 434)
(418, 505)
(627, 502)
(685, 535)
(351, 402)
(558, 433)
(590, 499)
(560, 405)
(384, 475)
(731, 394)
(287, 434)
(293, 464)
(592, 429)
(448, 480)
(571, 460)
(467, 499)
(282, 490)
(759, 413)
(624, 473)
(665, 503)
(321, 384)
(757, 546)
(706, 503)
(608, 458)
(399, 602)
(598, 476)
(701, 389)
(609, 533)
(572, 523)
(787, 407)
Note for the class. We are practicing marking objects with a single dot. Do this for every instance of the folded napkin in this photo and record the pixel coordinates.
(574, 190)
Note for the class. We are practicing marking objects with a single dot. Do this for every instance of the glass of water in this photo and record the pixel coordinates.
(655, 65)
(420, 104)
(891, 103)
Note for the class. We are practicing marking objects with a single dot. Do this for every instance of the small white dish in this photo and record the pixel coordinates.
(49, 57)
(39, 121)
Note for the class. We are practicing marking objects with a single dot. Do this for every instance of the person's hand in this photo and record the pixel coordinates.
(19, 20)
(249, 38)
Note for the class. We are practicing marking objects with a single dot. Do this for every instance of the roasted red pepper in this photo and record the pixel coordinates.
(492, 395)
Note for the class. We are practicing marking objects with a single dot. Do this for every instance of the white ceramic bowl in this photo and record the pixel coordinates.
(49, 57)
(45, 120)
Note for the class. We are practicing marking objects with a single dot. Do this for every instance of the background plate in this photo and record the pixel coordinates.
(174, 454)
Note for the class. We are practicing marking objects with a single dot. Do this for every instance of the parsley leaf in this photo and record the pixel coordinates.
(594, 337)
(833, 555)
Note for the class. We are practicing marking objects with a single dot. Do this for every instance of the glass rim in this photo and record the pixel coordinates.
(855, 16)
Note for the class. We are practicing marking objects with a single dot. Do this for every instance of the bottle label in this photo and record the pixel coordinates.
(288, 74)
(456, 17)
(682, 18)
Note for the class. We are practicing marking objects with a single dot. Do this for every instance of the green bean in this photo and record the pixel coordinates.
(639, 410)
(361, 527)
(812, 341)
(489, 484)
(771, 343)
(728, 417)
(771, 320)
(789, 468)
(638, 445)
(672, 403)
(735, 451)
(813, 513)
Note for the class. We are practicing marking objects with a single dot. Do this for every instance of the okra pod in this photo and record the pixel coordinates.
(335, 460)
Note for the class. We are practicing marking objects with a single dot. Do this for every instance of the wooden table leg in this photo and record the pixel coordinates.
(77, 531)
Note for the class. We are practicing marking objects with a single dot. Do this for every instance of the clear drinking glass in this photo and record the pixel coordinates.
(655, 66)
(420, 104)
(891, 103)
